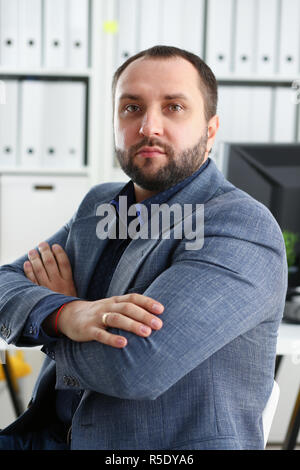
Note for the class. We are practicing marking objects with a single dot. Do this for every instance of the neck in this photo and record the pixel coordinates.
(142, 194)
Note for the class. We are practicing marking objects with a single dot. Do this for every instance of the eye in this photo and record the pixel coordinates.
(131, 108)
(175, 107)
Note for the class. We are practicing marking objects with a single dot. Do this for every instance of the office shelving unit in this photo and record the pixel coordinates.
(100, 165)
(120, 47)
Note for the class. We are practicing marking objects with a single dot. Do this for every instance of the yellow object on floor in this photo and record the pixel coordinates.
(19, 367)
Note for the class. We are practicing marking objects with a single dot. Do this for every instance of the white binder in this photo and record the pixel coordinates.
(173, 23)
(127, 37)
(284, 115)
(9, 125)
(77, 34)
(260, 105)
(63, 145)
(32, 122)
(193, 26)
(267, 31)
(30, 21)
(245, 113)
(289, 48)
(219, 36)
(52, 124)
(9, 32)
(150, 24)
(54, 33)
(2, 92)
(74, 142)
(224, 111)
(172, 31)
(239, 115)
(54, 132)
(251, 114)
(245, 37)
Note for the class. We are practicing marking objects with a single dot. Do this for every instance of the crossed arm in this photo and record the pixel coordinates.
(209, 298)
(82, 320)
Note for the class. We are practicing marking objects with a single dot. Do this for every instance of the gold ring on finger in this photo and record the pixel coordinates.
(104, 319)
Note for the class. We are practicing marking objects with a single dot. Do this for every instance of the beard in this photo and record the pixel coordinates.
(175, 170)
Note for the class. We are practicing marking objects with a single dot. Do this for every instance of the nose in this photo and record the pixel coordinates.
(151, 124)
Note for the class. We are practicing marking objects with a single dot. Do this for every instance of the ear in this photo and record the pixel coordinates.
(212, 128)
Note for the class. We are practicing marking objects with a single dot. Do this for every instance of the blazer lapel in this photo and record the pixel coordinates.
(198, 191)
(84, 247)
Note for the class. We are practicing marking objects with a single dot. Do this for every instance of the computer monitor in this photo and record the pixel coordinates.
(271, 174)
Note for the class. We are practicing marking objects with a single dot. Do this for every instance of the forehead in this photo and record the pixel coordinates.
(159, 77)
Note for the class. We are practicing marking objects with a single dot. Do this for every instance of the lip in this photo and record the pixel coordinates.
(150, 152)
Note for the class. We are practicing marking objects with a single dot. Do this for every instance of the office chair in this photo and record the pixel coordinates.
(269, 411)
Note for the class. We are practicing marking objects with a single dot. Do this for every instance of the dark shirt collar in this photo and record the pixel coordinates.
(160, 198)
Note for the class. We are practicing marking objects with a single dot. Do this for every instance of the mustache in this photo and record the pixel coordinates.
(150, 142)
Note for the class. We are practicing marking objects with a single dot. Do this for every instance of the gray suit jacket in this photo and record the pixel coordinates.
(203, 380)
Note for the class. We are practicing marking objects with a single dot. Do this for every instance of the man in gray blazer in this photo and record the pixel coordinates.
(213, 278)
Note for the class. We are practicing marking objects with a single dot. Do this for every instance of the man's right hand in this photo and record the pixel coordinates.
(82, 320)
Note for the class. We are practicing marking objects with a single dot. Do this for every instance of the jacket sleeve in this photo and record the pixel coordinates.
(19, 296)
(211, 296)
(33, 332)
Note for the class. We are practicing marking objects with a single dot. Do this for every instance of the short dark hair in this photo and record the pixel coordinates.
(207, 80)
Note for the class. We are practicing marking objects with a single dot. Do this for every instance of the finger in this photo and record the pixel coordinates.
(128, 305)
(38, 267)
(48, 260)
(29, 272)
(104, 337)
(127, 323)
(63, 262)
(143, 301)
(138, 307)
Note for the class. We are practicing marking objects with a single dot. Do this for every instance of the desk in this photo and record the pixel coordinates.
(288, 340)
(289, 344)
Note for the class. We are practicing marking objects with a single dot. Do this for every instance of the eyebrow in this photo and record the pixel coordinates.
(128, 96)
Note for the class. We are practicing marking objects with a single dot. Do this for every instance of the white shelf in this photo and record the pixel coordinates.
(257, 78)
(46, 171)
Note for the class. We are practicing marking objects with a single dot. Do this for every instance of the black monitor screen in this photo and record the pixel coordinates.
(271, 174)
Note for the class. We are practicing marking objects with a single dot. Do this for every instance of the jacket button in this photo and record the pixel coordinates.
(70, 381)
(66, 380)
(5, 331)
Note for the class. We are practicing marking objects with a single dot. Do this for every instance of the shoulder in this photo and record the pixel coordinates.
(98, 194)
(235, 211)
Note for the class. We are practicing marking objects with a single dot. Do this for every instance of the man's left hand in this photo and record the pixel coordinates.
(50, 268)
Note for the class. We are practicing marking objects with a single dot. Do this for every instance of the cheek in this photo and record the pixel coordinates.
(188, 136)
(124, 136)
(182, 138)
(120, 136)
